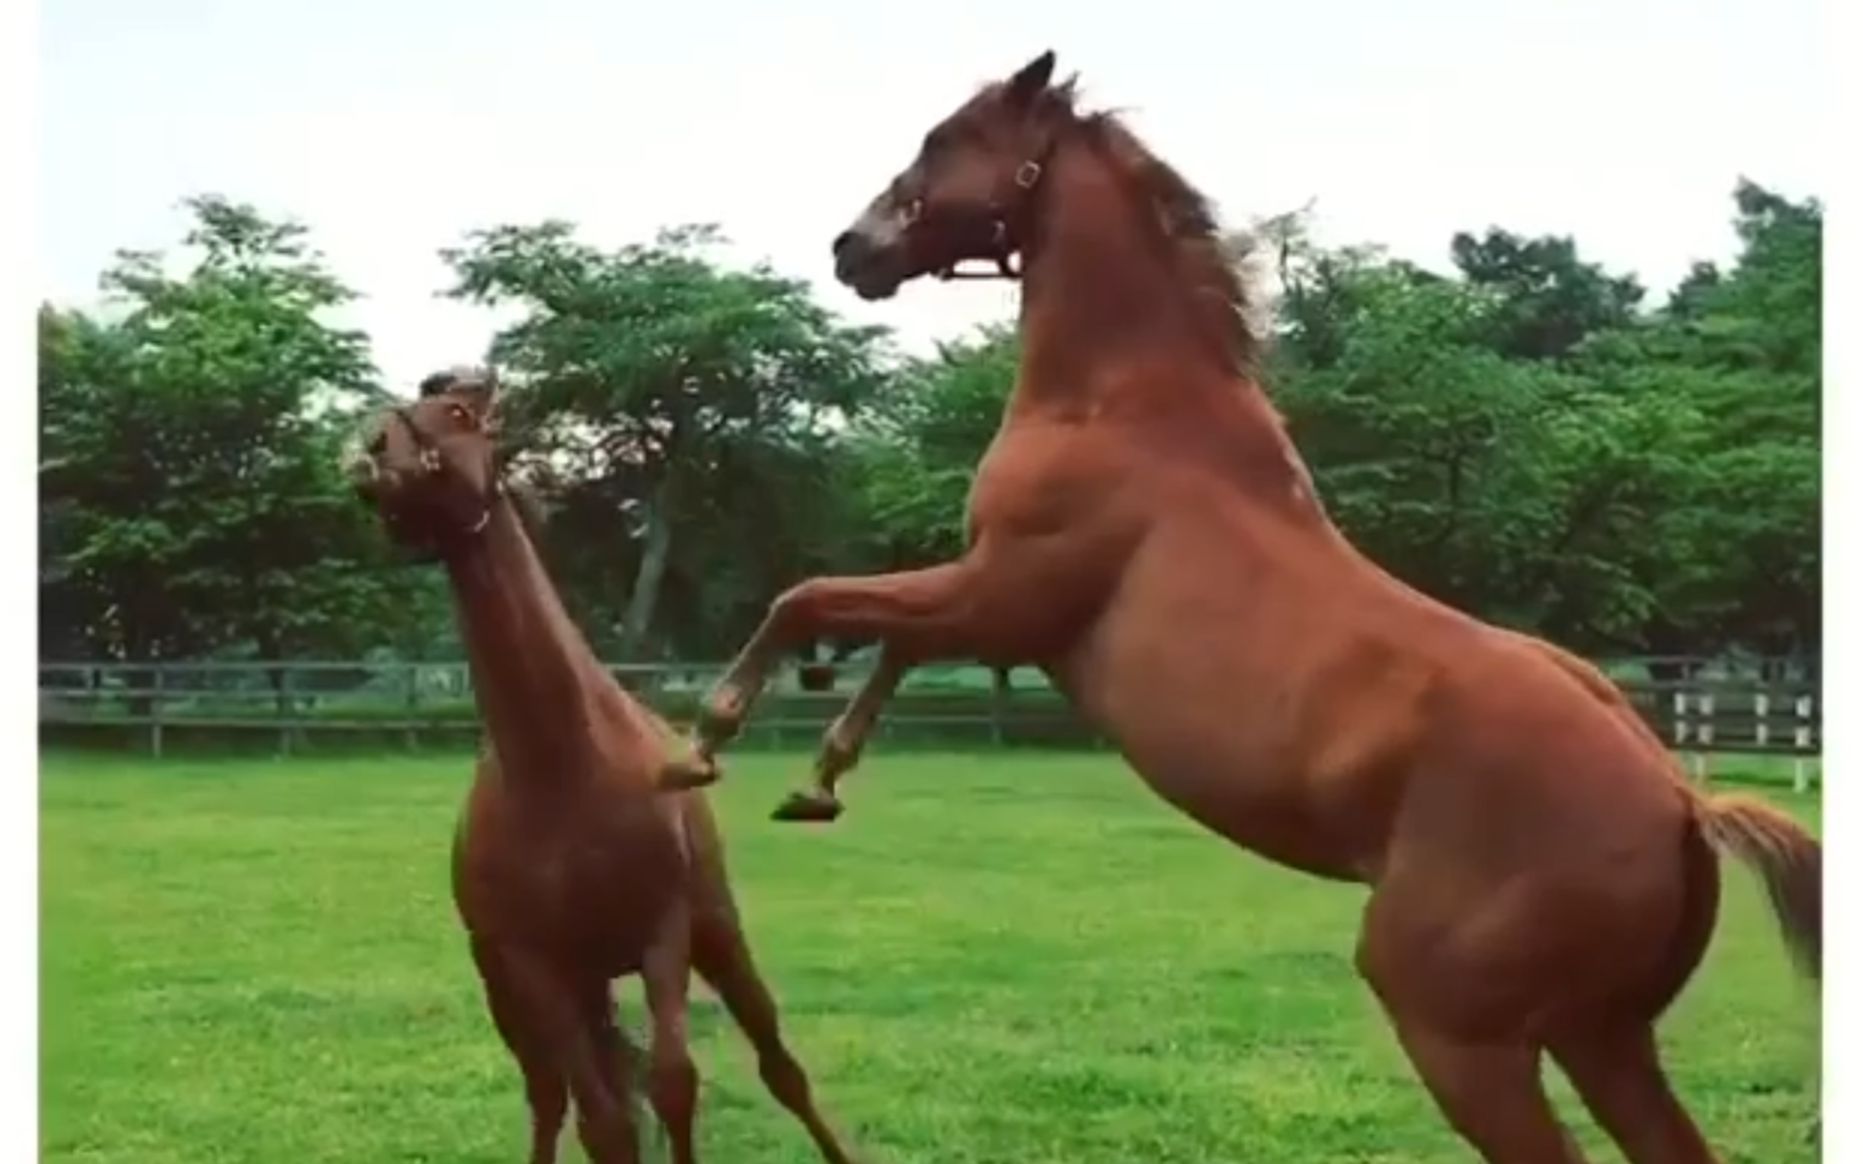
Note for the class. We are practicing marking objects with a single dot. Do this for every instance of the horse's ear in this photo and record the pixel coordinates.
(480, 393)
(1031, 79)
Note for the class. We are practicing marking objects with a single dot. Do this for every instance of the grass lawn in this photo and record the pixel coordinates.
(990, 958)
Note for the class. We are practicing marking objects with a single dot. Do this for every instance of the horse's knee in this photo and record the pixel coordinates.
(673, 1082)
(783, 1076)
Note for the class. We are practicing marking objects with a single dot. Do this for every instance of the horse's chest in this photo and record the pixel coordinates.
(1036, 479)
(596, 878)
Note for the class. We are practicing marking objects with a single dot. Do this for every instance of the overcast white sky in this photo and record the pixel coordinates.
(392, 127)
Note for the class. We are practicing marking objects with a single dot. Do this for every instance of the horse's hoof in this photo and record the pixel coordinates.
(688, 773)
(814, 805)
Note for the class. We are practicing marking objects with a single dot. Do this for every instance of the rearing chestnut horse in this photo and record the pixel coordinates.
(1542, 878)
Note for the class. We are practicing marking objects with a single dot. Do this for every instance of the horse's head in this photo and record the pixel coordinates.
(430, 467)
(970, 192)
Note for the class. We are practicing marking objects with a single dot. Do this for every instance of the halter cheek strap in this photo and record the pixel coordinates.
(1003, 244)
(431, 463)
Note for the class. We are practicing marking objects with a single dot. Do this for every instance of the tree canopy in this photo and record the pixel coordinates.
(189, 485)
(1524, 434)
(685, 413)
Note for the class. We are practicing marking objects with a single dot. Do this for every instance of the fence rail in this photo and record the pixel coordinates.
(1771, 706)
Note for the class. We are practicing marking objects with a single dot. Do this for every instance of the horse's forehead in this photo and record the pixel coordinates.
(460, 377)
(983, 103)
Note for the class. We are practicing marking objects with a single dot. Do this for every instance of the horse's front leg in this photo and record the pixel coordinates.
(919, 614)
(842, 742)
(967, 609)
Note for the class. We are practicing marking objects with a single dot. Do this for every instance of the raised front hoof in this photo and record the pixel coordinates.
(814, 805)
(687, 773)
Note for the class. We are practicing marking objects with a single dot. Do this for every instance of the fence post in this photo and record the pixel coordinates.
(1801, 739)
(155, 710)
(1684, 730)
(286, 707)
(999, 702)
(1762, 706)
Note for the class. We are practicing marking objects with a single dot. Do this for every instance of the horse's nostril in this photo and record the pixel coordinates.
(378, 444)
(842, 241)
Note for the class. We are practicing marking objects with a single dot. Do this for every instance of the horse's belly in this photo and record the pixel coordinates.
(1252, 810)
(1213, 747)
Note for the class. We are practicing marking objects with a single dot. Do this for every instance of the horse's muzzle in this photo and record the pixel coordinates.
(364, 476)
(865, 267)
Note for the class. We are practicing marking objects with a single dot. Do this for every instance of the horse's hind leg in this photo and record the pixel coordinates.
(1462, 1009)
(672, 1080)
(620, 1059)
(1491, 1093)
(544, 1087)
(547, 1003)
(722, 957)
(842, 742)
(1619, 1075)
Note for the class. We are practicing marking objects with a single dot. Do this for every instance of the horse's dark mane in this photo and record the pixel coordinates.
(529, 509)
(1213, 264)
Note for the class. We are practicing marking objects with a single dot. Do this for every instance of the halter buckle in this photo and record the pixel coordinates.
(1028, 173)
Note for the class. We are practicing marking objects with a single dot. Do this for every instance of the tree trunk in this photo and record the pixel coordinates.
(653, 557)
(140, 705)
(281, 696)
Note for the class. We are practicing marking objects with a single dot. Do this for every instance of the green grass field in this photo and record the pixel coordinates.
(990, 958)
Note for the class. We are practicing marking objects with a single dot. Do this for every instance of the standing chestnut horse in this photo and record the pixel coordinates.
(570, 867)
(1542, 878)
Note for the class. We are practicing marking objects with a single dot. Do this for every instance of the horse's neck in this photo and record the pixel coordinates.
(1110, 328)
(533, 675)
(1095, 291)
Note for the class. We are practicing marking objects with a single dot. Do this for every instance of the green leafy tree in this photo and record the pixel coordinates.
(684, 405)
(1742, 351)
(1503, 484)
(189, 468)
(1546, 300)
(916, 453)
(1520, 442)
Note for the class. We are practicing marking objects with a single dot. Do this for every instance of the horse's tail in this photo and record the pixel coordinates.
(1788, 859)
